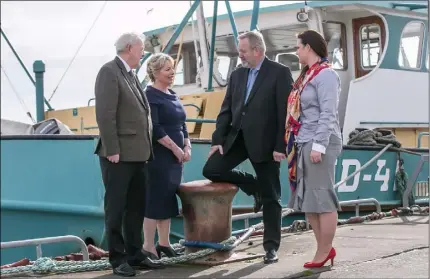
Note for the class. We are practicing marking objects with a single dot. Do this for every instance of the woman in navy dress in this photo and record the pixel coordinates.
(171, 147)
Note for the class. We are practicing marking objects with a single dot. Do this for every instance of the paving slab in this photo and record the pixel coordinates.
(408, 264)
(387, 248)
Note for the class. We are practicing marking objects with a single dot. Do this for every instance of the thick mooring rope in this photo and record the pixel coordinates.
(46, 265)
(366, 137)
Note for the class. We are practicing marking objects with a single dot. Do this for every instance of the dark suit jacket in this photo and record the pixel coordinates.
(262, 118)
(123, 115)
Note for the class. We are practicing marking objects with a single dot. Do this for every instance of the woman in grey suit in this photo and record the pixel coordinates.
(314, 142)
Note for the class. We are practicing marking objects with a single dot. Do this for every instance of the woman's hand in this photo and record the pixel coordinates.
(187, 153)
(179, 154)
(315, 156)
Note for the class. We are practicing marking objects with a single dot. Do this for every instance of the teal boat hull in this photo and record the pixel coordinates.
(51, 186)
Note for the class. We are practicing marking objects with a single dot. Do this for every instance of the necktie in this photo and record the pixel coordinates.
(131, 73)
(251, 81)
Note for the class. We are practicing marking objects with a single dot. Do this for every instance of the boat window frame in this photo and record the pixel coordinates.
(421, 47)
(370, 67)
(344, 38)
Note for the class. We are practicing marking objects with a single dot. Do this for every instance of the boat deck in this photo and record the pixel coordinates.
(395, 247)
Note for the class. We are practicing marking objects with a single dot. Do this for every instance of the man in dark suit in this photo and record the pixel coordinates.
(251, 125)
(124, 120)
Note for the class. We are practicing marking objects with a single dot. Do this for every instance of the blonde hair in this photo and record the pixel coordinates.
(156, 63)
(255, 39)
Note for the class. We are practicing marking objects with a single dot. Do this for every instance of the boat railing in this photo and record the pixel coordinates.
(411, 182)
(195, 120)
(89, 101)
(357, 203)
(47, 240)
(192, 105)
(420, 135)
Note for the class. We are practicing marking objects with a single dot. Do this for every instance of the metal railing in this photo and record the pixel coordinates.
(420, 135)
(202, 120)
(195, 120)
(357, 203)
(413, 179)
(47, 240)
(89, 101)
(192, 105)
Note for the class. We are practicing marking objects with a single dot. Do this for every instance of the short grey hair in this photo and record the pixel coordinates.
(128, 39)
(255, 39)
(157, 62)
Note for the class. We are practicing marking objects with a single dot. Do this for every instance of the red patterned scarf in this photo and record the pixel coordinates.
(292, 124)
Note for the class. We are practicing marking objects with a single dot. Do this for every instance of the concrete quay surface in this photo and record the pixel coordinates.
(394, 247)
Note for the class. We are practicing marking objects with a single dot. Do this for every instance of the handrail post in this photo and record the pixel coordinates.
(420, 135)
(211, 58)
(233, 23)
(39, 70)
(47, 240)
(254, 18)
(23, 66)
(89, 101)
(413, 179)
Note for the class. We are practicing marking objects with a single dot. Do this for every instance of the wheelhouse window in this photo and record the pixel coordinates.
(179, 73)
(289, 59)
(370, 45)
(335, 35)
(223, 63)
(411, 46)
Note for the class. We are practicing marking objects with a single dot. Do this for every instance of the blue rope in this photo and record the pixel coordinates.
(204, 244)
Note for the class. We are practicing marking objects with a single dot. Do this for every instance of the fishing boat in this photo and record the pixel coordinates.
(51, 181)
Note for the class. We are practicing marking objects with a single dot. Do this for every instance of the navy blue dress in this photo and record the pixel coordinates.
(165, 172)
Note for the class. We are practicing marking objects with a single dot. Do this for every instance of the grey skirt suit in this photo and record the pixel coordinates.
(319, 131)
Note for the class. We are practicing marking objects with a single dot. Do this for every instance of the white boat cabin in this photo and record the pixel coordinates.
(378, 48)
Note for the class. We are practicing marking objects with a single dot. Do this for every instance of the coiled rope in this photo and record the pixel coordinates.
(366, 137)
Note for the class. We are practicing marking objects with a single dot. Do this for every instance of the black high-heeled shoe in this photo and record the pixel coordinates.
(167, 250)
(150, 255)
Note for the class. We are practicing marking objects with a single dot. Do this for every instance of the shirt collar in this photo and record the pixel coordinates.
(258, 65)
(127, 67)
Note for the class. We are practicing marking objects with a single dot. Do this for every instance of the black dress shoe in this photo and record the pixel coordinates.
(147, 263)
(270, 257)
(167, 250)
(258, 203)
(124, 270)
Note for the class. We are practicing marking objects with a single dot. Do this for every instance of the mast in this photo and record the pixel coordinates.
(201, 27)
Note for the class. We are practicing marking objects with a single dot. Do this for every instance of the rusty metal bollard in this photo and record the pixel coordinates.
(207, 211)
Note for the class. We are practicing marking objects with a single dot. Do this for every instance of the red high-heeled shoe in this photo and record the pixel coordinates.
(331, 255)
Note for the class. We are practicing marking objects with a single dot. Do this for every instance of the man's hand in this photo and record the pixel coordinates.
(214, 149)
(315, 156)
(113, 158)
(277, 156)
